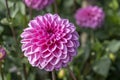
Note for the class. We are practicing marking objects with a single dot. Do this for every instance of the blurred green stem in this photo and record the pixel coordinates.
(71, 73)
(87, 63)
(13, 33)
(9, 19)
(25, 71)
(55, 7)
(8, 11)
(10, 22)
(1, 71)
(75, 4)
(53, 75)
(30, 10)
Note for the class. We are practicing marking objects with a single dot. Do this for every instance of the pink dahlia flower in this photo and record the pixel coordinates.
(50, 42)
(2, 53)
(38, 4)
(90, 17)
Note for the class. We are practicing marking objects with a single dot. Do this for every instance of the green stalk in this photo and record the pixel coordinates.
(1, 71)
(53, 75)
(55, 7)
(8, 11)
(71, 73)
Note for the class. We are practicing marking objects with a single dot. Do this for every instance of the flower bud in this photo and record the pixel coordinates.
(2, 53)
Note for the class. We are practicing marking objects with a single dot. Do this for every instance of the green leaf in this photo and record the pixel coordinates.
(114, 46)
(21, 8)
(1, 29)
(5, 21)
(102, 66)
(8, 76)
(114, 4)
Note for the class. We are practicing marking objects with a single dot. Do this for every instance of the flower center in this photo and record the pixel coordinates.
(1, 55)
(50, 32)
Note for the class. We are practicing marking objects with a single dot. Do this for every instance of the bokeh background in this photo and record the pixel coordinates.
(98, 56)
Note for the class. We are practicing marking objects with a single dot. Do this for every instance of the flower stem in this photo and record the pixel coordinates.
(30, 9)
(75, 3)
(71, 73)
(8, 11)
(25, 71)
(13, 33)
(1, 71)
(53, 75)
(55, 7)
(9, 17)
(30, 12)
(10, 22)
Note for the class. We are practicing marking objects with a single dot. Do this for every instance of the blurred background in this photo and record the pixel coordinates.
(98, 56)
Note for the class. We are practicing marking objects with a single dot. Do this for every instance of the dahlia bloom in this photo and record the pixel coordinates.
(38, 4)
(90, 17)
(2, 53)
(50, 42)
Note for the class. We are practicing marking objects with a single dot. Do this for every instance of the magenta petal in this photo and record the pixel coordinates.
(68, 36)
(70, 44)
(63, 40)
(28, 51)
(52, 47)
(25, 40)
(66, 30)
(64, 50)
(71, 49)
(66, 60)
(33, 24)
(45, 54)
(44, 48)
(43, 62)
(63, 56)
(48, 59)
(57, 53)
(76, 43)
(74, 37)
(73, 53)
(49, 67)
(54, 61)
(59, 45)
(58, 65)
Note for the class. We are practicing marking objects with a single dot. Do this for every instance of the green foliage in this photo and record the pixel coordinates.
(102, 66)
(99, 59)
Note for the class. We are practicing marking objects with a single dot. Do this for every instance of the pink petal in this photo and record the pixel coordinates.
(44, 48)
(57, 53)
(55, 61)
(46, 54)
(70, 44)
(68, 36)
(49, 67)
(52, 47)
(59, 45)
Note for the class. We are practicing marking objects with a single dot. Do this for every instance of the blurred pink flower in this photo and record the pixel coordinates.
(38, 4)
(90, 17)
(50, 42)
(2, 53)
